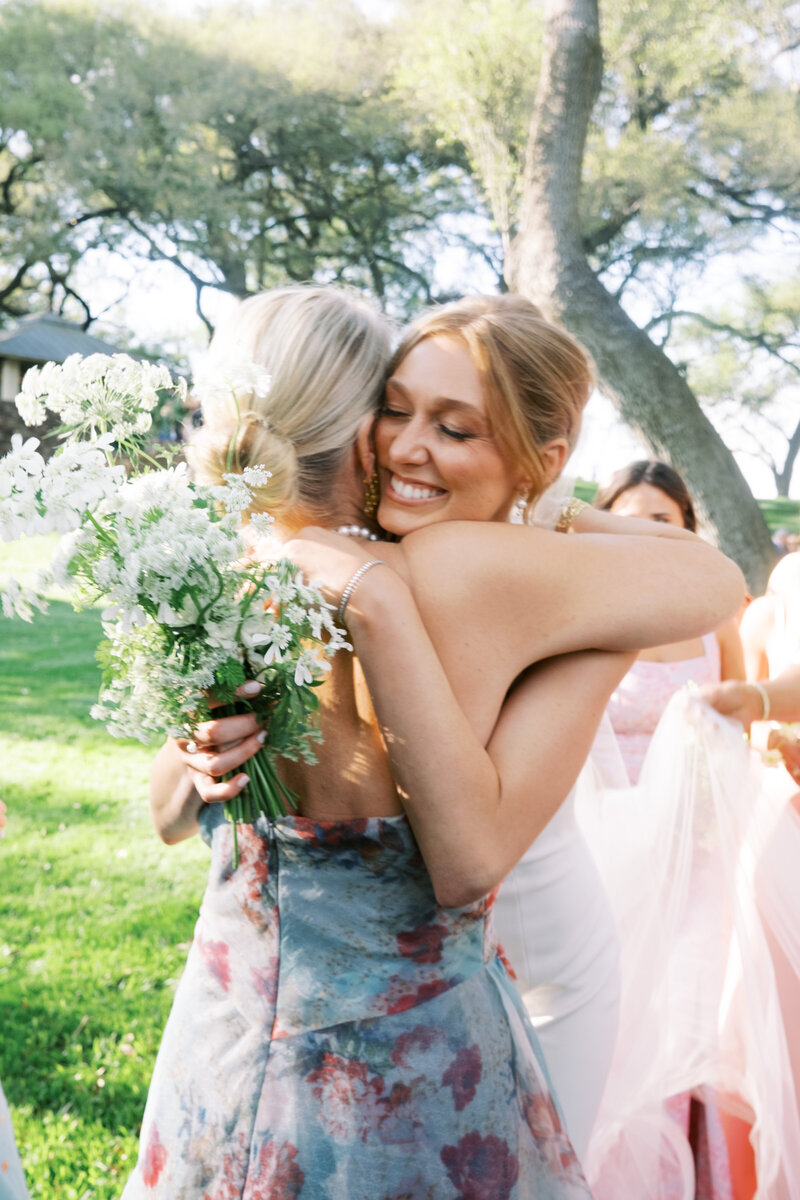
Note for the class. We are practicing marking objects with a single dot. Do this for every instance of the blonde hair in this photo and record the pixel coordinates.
(325, 353)
(537, 378)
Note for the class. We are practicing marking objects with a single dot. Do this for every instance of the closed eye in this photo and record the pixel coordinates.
(458, 435)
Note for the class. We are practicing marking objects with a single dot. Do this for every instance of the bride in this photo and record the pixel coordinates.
(420, 804)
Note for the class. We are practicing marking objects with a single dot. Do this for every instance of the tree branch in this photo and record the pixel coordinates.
(761, 339)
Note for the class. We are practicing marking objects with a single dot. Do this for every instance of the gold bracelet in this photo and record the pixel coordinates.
(766, 707)
(568, 514)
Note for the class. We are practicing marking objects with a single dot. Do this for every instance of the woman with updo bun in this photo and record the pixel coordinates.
(346, 1026)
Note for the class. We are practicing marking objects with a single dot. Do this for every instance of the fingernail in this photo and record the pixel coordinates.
(251, 688)
(262, 737)
(242, 781)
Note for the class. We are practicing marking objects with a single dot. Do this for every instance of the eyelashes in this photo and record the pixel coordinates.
(395, 414)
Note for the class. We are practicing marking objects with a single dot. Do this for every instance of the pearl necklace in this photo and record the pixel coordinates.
(358, 531)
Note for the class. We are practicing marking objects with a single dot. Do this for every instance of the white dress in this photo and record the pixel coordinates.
(556, 926)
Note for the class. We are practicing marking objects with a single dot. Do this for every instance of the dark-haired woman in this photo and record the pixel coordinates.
(653, 490)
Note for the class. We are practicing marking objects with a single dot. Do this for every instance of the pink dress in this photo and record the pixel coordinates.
(635, 709)
(639, 702)
(699, 859)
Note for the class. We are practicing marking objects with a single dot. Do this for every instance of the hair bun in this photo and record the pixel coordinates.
(230, 445)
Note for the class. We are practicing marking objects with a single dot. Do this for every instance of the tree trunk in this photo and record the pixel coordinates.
(548, 264)
(783, 478)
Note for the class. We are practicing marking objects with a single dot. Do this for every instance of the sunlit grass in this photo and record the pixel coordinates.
(95, 914)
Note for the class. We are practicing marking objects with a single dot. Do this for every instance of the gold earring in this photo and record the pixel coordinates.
(372, 494)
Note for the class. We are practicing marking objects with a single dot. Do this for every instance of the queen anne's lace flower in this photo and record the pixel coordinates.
(186, 610)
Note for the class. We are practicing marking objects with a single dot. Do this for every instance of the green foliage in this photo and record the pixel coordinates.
(743, 357)
(695, 138)
(96, 914)
(247, 149)
(470, 68)
(696, 135)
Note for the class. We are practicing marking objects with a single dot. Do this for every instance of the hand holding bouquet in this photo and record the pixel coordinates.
(188, 610)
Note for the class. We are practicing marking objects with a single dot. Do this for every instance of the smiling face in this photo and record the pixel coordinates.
(649, 503)
(438, 457)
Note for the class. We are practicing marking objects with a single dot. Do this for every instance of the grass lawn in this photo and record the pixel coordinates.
(95, 913)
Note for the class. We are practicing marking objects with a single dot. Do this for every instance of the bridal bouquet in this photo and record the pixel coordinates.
(188, 611)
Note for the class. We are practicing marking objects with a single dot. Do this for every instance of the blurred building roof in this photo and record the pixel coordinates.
(45, 337)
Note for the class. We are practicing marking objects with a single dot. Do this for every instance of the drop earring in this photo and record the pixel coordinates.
(372, 495)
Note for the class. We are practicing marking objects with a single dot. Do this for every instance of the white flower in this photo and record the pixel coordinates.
(234, 493)
(256, 476)
(18, 601)
(302, 674)
(97, 394)
(308, 666)
(219, 378)
(185, 605)
(262, 524)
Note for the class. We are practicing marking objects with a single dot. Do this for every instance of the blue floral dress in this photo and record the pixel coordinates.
(12, 1181)
(337, 1035)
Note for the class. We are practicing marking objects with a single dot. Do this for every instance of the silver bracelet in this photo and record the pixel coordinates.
(766, 707)
(352, 584)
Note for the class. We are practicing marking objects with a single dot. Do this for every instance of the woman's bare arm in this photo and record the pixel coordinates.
(756, 628)
(535, 594)
(474, 811)
(731, 651)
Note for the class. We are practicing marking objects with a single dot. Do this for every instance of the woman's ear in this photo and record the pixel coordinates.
(365, 446)
(555, 455)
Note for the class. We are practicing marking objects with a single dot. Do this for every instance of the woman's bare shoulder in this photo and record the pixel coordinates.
(759, 614)
(471, 545)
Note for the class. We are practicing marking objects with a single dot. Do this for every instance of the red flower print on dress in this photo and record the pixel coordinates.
(423, 944)
(501, 954)
(265, 979)
(412, 1047)
(330, 833)
(463, 1076)
(155, 1158)
(418, 995)
(481, 1168)
(400, 1118)
(252, 877)
(282, 1177)
(232, 1172)
(555, 1147)
(347, 1096)
(215, 956)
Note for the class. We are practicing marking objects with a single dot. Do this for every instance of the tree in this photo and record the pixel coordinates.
(632, 179)
(742, 360)
(550, 265)
(246, 150)
(43, 231)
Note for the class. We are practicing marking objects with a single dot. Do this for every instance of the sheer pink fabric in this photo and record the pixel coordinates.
(702, 863)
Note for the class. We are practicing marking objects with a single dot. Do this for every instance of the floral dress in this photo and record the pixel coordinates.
(337, 1035)
(12, 1181)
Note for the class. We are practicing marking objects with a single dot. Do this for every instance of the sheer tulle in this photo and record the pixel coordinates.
(702, 865)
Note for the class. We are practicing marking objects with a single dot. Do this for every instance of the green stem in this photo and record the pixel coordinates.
(235, 438)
